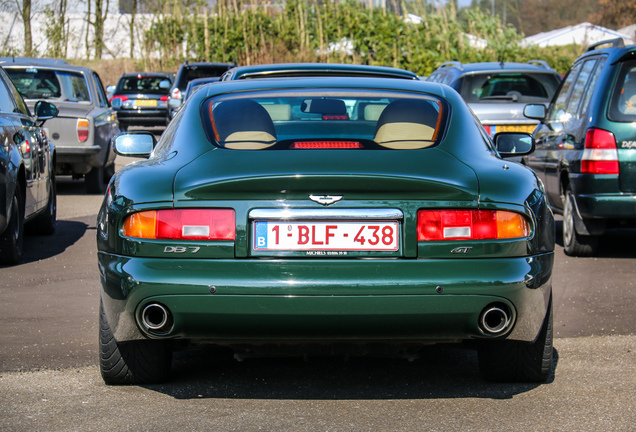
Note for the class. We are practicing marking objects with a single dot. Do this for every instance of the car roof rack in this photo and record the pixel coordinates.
(614, 43)
(541, 63)
(455, 63)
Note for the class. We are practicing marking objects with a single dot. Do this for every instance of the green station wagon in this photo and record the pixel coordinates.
(585, 146)
(325, 212)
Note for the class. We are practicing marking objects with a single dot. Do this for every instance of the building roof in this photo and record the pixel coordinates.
(581, 34)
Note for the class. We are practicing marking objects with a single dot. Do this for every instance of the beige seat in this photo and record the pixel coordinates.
(407, 124)
(242, 124)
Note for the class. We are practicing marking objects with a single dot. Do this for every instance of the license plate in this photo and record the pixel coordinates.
(145, 102)
(514, 128)
(326, 236)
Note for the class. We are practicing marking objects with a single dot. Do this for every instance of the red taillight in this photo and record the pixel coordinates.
(176, 93)
(163, 98)
(600, 155)
(120, 97)
(82, 130)
(335, 117)
(436, 225)
(326, 145)
(186, 224)
(26, 147)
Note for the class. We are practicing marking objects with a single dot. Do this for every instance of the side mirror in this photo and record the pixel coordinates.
(510, 144)
(536, 112)
(165, 84)
(44, 111)
(135, 144)
(111, 89)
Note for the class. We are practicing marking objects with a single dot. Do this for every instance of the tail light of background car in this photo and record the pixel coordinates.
(176, 93)
(26, 147)
(435, 225)
(163, 98)
(120, 97)
(82, 130)
(183, 224)
(600, 155)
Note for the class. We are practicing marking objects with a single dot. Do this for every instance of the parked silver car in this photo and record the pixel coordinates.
(498, 92)
(84, 129)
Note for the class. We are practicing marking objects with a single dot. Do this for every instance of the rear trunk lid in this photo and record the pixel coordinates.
(378, 175)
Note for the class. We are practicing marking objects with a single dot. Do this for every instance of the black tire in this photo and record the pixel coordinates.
(133, 362)
(575, 244)
(95, 181)
(12, 239)
(518, 361)
(46, 222)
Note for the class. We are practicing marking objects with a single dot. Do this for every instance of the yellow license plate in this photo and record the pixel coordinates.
(146, 103)
(516, 128)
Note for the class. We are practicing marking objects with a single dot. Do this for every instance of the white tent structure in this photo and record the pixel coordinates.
(583, 34)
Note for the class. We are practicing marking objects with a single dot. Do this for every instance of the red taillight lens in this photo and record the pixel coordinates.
(600, 155)
(326, 145)
(186, 224)
(26, 147)
(176, 93)
(163, 98)
(82, 130)
(335, 117)
(435, 225)
(120, 97)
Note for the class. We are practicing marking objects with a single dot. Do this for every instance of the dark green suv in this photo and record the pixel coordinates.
(586, 145)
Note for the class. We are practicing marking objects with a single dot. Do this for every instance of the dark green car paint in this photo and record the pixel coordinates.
(601, 200)
(424, 292)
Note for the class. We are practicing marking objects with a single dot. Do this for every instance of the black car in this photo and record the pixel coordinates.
(585, 146)
(27, 171)
(498, 92)
(195, 84)
(186, 73)
(141, 99)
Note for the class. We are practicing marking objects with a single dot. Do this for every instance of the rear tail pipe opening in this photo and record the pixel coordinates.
(495, 319)
(156, 318)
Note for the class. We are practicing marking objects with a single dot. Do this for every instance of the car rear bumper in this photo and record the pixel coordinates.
(354, 300)
(143, 117)
(607, 206)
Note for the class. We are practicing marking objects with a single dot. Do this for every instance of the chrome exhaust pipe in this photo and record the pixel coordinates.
(156, 317)
(494, 320)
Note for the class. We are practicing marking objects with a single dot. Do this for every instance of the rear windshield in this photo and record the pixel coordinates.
(325, 119)
(143, 84)
(509, 87)
(53, 85)
(623, 105)
(194, 72)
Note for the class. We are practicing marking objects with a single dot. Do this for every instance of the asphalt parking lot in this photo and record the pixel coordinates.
(49, 379)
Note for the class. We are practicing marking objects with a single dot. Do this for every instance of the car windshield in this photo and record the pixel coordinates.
(623, 105)
(317, 119)
(54, 85)
(143, 84)
(509, 87)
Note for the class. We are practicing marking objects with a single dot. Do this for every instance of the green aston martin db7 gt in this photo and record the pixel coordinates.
(357, 212)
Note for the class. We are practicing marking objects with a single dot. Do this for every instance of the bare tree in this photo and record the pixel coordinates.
(101, 12)
(24, 8)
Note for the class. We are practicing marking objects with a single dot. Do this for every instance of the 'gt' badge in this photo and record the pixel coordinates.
(325, 199)
(461, 250)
